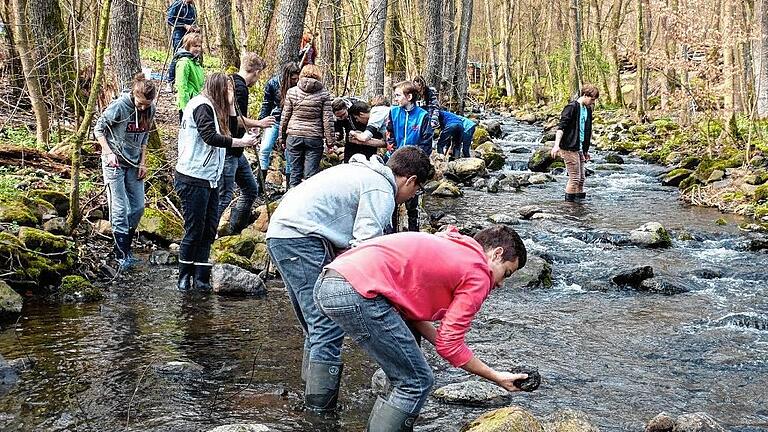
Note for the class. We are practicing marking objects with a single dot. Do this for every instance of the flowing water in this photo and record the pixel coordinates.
(621, 357)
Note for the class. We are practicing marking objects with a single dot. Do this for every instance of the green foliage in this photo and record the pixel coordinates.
(594, 64)
(19, 137)
(761, 193)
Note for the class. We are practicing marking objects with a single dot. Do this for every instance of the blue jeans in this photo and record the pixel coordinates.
(125, 194)
(450, 134)
(200, 207)
(466, 141)
(268, 140)
(176, 37)
(305, 155)
(238, 171)
(380, 330)
(299, 261)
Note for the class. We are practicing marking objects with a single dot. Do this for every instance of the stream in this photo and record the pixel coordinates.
(620, 356)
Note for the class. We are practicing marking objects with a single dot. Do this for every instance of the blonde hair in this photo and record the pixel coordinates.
(311, 71)
(251, 62)
(190, 38)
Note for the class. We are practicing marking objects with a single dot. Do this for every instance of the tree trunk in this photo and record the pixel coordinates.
(222, 20)
(243, 24)
(264, 25)
(12, 64)
(31, 76)
(598, 28)
(374, 50)
(395, 69)
(73, 219)
(461, 55)
(728, 63)
(124, 42)
(433, 38)
(491, 42)
(575, 64)
(505, 47)
(761, 59)
(327, 58)
(613, 41)
(290, 27)
(640, 95)
(449, 47)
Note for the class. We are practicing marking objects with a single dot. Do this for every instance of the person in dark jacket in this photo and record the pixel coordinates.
(572, 140)
(203, 139)
(456, 134)
(272, 106)
(237, 169)
(123, 133)
(307, 122)
(428, 99)
(366, 136)
(182, 17)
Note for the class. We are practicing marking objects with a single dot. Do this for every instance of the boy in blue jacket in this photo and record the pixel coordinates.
(455, 134)
(409, 125)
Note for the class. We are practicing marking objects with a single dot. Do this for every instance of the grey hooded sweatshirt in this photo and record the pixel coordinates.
(344, 205)
(121, 124)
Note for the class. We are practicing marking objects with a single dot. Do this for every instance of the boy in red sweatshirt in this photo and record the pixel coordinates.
(373, 290)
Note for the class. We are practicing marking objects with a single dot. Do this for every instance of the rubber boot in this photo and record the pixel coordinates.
(570, 197)
(131, 236)
(123, 251)
(304, 365)
(386, 417)
(202, 277)
(581, 195)
(186, 274)
(322, 390)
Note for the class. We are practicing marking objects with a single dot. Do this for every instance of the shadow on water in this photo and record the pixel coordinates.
(621, 357)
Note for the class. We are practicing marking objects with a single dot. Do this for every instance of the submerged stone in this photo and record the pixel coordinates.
(473, 393)
(228, 279)
(501, 218)
(633, 277)
(652, 235)
(745, 320)
(507, 419)
(666, 285)
(8, 376)
(76, 289)
(242, 427)
(184, 369)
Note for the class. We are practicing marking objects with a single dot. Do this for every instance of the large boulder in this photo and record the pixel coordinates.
(15, 211)
(541, 159)
(262, 220)
(492, 154)
(59, 200)
(480, 136)
(569, 420)
(227, 279)
(10, 301)
(507, 419)
(537, 273)
(447, 189)
(697, 422)
(651, 235)
(465, 169)
(472, 393)
(493, 127)
(77, 289)
(661, 423)
(675, 177)
(161, 225)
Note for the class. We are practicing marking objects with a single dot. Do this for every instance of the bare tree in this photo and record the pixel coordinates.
(433, 35)
(449, 45)
(395, 69)
(374, 50)
(489, 34)
(290, 26)
(222, 19)
(575, 65)
(461, 54)
(328, 55)
(124, 42)
(640, 94)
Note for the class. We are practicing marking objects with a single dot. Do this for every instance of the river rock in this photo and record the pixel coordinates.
(520, 150)
(163, 257)
(633, 277)
(745, 320)
(507, 419)
(493, 185)
(492, 154)
(544, 216)
(697, 422)
(179, 369)
(716, 175)
(227, 279)
(661, 423)
(465, 169)
(472, 393)
(77, 289)
(12, 211)
(537, 273)
(161, 225)
(42, 241)
(675, 177)
(501, 218)
(613, 158)
(529, 118)
(242, 427)
(447, 189)
(528, 211)
(652, 235)
(528, 384)
(8, 376)
(541, 178)
(493, 127)
(10, 301)
(569, 420)
(666, 285)
(541, 159)
(479, 183)
(103, 227)
(57, 225)
(758, 244)
(59, 200)
(42, 209)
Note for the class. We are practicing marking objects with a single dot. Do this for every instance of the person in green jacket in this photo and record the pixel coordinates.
(189, 69)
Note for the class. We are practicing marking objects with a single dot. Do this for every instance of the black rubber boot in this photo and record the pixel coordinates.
(186, 274)
(203, 277)
(581, 195)
(322, 390)
(570, 197)
(386, 417)
(304, 365)
(123, 251)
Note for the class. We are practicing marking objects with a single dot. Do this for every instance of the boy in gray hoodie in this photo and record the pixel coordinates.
(326, 214)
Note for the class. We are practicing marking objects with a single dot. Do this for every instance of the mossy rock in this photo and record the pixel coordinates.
(688, 183)
(447, 189)
(242, 245)
(708, 165)
(15, 211)
(541, 159)
(721, 222)
(10, 301)
(690, 162)
(77, 289)
(665, 125)
(757, 178)
(34, 267)
(233, 259)
(42, 241)
(480, 136)
(675, 177)
(492, 154)
(42, 208)
(556, 164)
(260, 257)
(761, 193)
(508, 419)
(161, 225)
(59, 200)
